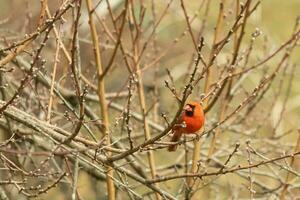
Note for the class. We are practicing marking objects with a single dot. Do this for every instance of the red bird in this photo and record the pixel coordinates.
(191, 120)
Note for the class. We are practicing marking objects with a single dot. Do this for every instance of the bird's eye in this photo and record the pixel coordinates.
(189, 113)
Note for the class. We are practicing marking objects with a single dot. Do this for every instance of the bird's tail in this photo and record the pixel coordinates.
(175, 138)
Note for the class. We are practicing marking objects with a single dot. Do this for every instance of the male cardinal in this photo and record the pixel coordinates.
(191, 120)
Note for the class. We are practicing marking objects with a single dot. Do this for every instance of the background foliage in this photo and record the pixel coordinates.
(87, 108)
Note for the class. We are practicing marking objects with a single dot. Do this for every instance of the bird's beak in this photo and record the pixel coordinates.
(188, 108)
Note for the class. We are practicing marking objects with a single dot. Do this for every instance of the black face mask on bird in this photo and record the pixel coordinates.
(189, 110)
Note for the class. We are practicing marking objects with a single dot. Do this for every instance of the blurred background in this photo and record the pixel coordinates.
(166, 45)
